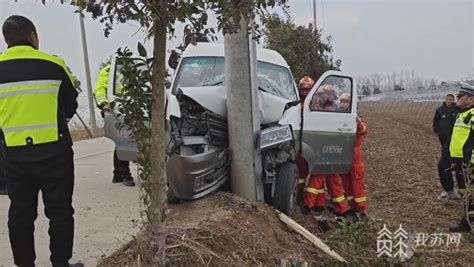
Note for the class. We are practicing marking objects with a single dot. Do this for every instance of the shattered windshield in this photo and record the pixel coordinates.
(209, 71)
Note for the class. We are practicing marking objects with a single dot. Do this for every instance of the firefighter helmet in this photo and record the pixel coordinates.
(304, 85)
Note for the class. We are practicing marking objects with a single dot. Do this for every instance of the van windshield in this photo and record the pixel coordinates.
(209, 71)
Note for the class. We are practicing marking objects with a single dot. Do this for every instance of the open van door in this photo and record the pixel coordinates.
(329, 126)
(125, 147)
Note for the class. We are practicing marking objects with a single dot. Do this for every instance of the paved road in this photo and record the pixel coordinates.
(105, 213)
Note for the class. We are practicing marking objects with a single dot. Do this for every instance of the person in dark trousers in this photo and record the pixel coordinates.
(121, 167)
(443, 122)
(461, 151)
(37, 99)
(3, 180)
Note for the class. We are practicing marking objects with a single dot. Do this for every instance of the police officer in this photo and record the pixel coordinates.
(37, 98)
(121, 167)
(3, 180)
(460, 149)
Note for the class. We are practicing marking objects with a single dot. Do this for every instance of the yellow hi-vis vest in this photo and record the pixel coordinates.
(29, 109)
(461, 132)
(102, 83)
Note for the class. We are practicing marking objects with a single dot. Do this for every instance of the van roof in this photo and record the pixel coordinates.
(214, 49)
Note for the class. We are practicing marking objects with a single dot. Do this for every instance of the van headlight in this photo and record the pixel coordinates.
(275, 135)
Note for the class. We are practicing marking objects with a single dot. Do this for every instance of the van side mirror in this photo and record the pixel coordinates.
(174, 59)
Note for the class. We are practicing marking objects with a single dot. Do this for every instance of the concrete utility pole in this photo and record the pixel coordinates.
(90, 99)
(243, 115)
(315, 22)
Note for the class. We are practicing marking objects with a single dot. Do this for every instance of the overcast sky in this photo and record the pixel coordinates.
(435, 38)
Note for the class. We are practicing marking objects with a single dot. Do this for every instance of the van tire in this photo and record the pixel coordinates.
(286, 188)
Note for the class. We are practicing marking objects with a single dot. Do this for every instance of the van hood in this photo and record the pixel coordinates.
(214, 99)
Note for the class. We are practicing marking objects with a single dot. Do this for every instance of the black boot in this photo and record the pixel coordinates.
(305, 210)
(76, 265)
(128, 181)
(318, 209)
(117, 178)
(463, 226)
(3, 190)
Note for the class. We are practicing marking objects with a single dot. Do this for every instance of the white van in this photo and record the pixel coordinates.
(198, 158)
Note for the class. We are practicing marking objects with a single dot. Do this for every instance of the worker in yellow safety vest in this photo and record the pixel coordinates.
(121, 167)
(461, 152)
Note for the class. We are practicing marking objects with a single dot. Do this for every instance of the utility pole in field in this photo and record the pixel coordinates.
(90, 99)
(315, 22)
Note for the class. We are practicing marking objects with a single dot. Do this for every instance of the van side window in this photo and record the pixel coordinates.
(333, 95)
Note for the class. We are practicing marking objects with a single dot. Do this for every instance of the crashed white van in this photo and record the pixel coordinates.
(198, 158)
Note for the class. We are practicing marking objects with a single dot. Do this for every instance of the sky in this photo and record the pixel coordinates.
(434, 38)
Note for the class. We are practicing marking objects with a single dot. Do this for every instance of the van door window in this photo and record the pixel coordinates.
(333, 95)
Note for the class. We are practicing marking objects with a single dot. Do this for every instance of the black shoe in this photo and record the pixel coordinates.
(76, 265)
(323, 226)
(117, 179)
(318, 209)
(305, 210)
(331, 209)
(3, 190)
(463, 226)
(345, 217)
(128, 181)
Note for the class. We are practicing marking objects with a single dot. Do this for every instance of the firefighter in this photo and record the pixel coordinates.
(324, 99)
(353, 181)
(314, 196)
(304, 86)
(37, 99)
(461, 152)
(121, 167)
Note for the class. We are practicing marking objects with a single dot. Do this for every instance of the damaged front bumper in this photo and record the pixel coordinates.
(194, 176)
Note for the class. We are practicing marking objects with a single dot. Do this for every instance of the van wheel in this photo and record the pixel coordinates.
(286, 188)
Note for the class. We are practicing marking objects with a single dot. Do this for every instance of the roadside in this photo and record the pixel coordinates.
(106, 214)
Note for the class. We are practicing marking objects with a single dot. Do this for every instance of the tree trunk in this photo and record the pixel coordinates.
(158, 162)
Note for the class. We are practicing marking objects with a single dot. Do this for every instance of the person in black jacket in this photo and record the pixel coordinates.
(443, 122)
(37, 99)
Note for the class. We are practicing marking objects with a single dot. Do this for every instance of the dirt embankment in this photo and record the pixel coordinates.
(223, 229)
(401, 159)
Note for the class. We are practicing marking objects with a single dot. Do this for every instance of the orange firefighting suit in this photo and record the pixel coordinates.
(315, 194)
(353, 181)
